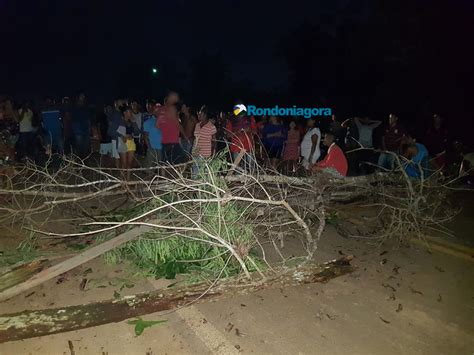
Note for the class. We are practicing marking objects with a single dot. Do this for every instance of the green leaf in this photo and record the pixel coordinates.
(117, 295)
(141, 325)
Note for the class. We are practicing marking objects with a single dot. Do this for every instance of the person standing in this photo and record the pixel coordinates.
(436, 139)
(221, 121)
(241, 130)
(391, 142)
(292, 148)
(188, 122)
(81, 127)
(114, 119)
(138, 120)
(9, 126)
(66, 118)
(126, 143)
(151, 107)
(102, 123)
(204, 139)
(168, 123)
(338, 131)
(51, 123)
(366, 127)
(273, 135)
(27, 133)
(310, 150)
(153, 140)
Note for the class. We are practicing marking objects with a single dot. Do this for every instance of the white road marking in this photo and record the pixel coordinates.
(209, 335)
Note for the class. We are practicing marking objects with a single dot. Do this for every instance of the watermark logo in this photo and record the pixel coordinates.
(239, 109)
(306, 112)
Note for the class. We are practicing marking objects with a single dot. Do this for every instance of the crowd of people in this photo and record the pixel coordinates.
(126, 134)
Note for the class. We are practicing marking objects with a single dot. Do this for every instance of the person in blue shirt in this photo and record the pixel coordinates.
(274, 135)
(51, 123)
(417, 156)
(152, 136)
(81, 125)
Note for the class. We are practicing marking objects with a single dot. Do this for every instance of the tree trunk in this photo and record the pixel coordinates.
(69, 264)
(29, 324)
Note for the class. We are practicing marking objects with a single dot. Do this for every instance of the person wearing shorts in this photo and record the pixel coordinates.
(125, 145)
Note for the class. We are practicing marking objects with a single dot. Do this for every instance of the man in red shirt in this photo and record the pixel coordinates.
(241, 130)
(391, 142)
(168, 122)
(335, 161)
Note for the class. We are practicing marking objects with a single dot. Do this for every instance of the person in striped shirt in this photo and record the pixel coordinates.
(204, 139)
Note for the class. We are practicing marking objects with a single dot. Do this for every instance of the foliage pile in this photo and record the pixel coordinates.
(167, 252)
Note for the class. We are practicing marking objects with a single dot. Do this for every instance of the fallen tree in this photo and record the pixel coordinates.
(29, 324)
(8, 290)
(224, 214)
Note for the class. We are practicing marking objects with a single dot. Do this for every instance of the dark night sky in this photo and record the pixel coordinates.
(365, 56)
(60, 46)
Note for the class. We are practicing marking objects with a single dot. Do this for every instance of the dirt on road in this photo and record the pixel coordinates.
(398, 301)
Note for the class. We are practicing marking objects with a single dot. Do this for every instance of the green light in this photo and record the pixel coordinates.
(154, 71)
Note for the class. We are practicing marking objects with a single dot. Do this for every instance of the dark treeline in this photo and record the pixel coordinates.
(409, 57)
(414, 58)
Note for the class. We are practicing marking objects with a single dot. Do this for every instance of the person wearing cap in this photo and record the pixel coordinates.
(240, 131)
